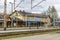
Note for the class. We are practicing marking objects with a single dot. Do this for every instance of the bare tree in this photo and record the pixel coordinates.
(52, 14)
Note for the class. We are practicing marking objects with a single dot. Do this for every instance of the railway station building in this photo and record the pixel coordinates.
(25, 19)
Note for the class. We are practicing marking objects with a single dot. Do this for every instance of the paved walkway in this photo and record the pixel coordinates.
(24, 29)
(39, 37)
(10, 31)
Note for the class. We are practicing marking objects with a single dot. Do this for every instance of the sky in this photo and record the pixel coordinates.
(26, 5)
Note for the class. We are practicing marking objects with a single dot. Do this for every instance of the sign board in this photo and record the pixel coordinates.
(38, 19)
(1, 19)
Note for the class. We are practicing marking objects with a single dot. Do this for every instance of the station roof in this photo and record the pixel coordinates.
(33, 14)
(30, 14)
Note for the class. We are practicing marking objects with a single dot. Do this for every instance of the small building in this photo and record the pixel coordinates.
(57, 22)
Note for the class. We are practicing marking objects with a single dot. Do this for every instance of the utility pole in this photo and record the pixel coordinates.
(15, 15)
(31, 4)
(5, 15)
(26, 20)
(12, 22)
(54, 18)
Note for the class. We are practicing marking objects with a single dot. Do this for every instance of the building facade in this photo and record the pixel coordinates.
(25, 19)
(22, 18)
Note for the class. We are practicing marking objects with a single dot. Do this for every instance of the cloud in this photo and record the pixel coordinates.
(59, 14)
(27, 6)
(57, 6)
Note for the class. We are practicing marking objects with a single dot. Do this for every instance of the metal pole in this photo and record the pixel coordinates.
(26, 21)
(11, 12)
(38, 4)
(31, 4)
(12, 18)
(14, 10)
(11, 8)
(5, 15)
(16, 19)
(14, 4)
(54, 19)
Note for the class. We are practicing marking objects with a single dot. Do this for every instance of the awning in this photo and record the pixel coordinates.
(57, 23)
(33, 21)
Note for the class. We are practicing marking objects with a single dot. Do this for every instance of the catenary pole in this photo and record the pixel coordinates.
(5, 15)
(14, 5)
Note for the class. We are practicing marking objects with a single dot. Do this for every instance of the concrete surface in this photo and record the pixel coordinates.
(39, 37)
(24, 29)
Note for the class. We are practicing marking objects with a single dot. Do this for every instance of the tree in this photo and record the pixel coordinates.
(52, 14)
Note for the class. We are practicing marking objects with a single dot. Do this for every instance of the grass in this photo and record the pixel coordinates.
(29, 34)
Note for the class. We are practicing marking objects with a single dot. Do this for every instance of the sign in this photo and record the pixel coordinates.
(38, 19)
(1, 19)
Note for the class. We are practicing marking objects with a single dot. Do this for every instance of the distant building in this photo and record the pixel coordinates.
(57, 22)
(24, 19)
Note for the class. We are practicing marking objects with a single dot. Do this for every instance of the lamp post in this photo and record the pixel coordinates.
(5, 15)
(11, 12)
